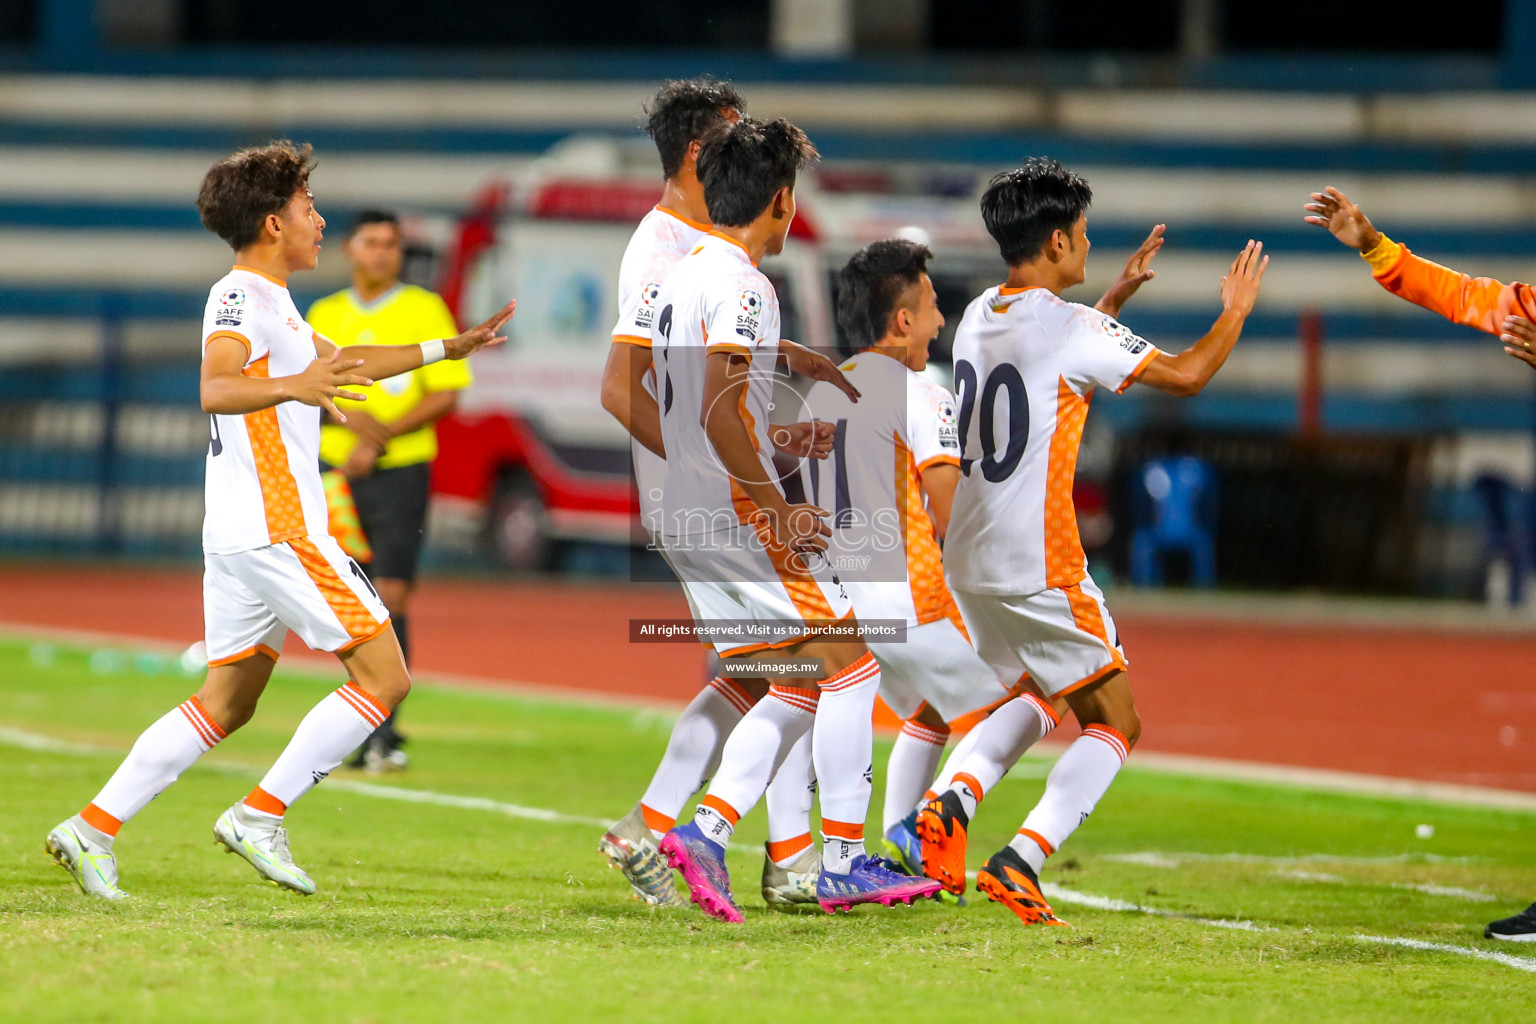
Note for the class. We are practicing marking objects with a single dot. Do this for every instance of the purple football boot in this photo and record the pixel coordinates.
(870, 881)
(702, 863)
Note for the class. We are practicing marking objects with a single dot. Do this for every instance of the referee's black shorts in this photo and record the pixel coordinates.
(392, 509)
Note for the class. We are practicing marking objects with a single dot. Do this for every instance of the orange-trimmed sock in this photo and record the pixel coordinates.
(842, 844)
(716, 819)
(659, 824)
(784, 851)
(265, 803)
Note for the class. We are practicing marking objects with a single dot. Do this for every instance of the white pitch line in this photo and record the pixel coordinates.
(1453, 891)
(1161, 859)
(48, 744)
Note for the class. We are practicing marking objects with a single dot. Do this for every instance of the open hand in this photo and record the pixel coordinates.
(479, 336)
(1137, 272)
(812, 440)
(1240, 288)
(1332, 209)
(817, 367)
(323, 380)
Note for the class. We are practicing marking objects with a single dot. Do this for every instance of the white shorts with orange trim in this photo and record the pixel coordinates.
(1063, 637)
(731, 578)
(937, 664)
(251, 599)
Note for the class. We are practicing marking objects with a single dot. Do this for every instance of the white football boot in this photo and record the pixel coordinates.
(93, 867)
(265, 846)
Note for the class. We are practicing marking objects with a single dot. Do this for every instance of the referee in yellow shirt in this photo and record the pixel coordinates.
(387, 445)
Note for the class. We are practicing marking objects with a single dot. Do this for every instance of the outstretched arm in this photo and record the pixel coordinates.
(1479, 302)
(1188, 372)
(381, 361)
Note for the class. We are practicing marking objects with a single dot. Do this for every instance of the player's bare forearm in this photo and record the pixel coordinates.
(625, 397)
(732, 442)
(940, 481)
(433, 406)
(233, 394)
(1187, 373)
(383, 361)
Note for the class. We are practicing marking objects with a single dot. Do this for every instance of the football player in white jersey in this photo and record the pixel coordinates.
(271, 565)
(1026, 364)
(754, 565)
(679, 116)
(889, 483)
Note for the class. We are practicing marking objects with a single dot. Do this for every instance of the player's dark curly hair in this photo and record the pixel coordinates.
(1023, 207)
(684, 111)
(871, 285)
(743, 165)
(239, 192)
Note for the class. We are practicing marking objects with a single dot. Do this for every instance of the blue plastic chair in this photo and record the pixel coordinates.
(1503, 535)
(1175, 502)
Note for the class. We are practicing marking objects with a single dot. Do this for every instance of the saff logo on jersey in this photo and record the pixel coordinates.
(1121, 333)
(645, 313)
(751, 313)
(949, 425)
(233, 297)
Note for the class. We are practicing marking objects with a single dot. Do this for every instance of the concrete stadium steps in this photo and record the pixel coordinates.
(1250, 117)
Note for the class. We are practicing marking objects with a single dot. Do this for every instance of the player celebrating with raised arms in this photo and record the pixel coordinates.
(270, 565)
(749, 560)
(1026, 364)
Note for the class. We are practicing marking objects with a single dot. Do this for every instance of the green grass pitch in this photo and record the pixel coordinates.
(429, 912)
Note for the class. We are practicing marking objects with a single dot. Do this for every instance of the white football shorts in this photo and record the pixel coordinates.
(1063, 637)
(936, 664)
(251, 599)
(734, 584)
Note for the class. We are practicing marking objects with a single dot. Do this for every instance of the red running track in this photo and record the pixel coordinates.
(1438, 704)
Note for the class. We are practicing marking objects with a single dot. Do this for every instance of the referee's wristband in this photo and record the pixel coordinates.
(433, 352)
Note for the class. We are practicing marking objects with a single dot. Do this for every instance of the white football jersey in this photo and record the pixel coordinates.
(263, 477)
(715, 300)
(661, 239)
(1026, 363)
(883, 545)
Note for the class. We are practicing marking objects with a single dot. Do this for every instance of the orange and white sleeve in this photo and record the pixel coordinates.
(1479, 302)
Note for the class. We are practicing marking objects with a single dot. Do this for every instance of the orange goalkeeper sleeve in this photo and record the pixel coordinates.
(1479, 302)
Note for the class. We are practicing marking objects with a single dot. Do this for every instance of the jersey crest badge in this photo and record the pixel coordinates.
(645, 313)
(1121, 333)
(751, 315)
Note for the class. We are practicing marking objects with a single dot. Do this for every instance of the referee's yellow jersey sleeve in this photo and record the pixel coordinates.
(437, 322)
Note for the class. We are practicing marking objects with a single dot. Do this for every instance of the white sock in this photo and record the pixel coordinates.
(788, 801)
(160, 754)
(957, 755)
(756, 747)
(1072, 791)
(332, 730)
(841, 747)
(1000, 741)
(693, 751)
(909, 773)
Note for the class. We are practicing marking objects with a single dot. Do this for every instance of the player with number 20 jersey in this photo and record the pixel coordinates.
(1026, 364)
